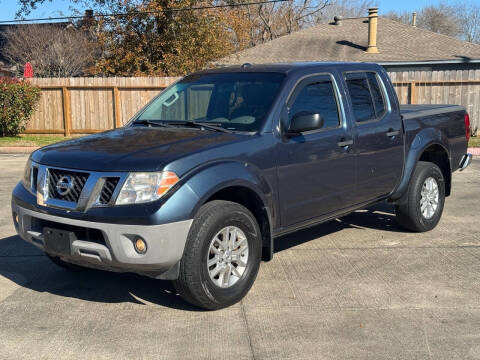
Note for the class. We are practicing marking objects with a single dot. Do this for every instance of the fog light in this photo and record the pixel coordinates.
(15, 219)
(140, 245)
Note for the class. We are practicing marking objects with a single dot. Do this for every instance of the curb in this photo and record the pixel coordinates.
(474, 151)
(17, 149)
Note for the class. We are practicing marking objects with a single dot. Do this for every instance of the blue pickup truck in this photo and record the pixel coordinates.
(198, 184)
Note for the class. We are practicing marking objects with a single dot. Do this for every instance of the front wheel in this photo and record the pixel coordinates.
(424, 199)
(222, 256)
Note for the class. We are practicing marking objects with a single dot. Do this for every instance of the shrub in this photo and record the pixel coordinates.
(18, 100)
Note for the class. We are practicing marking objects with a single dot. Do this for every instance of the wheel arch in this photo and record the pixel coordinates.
(437, 154)
(248, 198)
(425, 147)
(240, 184)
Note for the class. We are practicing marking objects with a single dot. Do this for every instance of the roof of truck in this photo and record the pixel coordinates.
(285, 67)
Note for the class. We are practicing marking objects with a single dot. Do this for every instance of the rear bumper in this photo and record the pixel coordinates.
(466, 160)
(111, 245)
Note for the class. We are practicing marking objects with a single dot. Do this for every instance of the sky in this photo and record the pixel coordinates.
(8, 8)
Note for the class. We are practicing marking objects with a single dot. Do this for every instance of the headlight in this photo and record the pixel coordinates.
(27, 175)
(145, 187)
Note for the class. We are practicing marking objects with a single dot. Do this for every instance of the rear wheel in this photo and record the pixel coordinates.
(423, 206)
(222, 256)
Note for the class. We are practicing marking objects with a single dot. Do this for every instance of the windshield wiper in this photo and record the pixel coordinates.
(151, 123)
(201, 125)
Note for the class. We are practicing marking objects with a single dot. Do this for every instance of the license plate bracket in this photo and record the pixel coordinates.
(58, 241)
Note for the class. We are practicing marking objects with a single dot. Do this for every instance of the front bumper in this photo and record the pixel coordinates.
(110, 246)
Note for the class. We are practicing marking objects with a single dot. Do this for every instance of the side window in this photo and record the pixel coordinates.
(318, 98)
(359, 91)
(366, 95)
(377, 94)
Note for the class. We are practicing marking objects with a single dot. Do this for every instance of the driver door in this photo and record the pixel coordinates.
(316, 169)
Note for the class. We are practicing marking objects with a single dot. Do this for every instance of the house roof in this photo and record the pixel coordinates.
(396, 42)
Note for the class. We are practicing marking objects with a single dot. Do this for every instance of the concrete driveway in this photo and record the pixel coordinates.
(354, 288)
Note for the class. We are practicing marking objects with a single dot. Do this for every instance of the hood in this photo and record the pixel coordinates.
(130, 149)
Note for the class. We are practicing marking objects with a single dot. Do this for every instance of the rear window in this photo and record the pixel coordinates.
(366, 96)
(377, 94)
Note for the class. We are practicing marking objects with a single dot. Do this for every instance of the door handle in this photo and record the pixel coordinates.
(345, 143)
(392, 133)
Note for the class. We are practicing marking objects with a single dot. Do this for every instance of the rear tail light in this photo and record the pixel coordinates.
(467, 127)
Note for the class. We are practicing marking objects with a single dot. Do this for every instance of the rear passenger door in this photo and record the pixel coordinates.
(378, 138)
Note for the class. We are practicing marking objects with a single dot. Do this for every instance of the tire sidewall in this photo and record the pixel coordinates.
(244, 220)
(423, 173)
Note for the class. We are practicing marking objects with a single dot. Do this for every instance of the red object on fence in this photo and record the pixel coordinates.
(28, 71)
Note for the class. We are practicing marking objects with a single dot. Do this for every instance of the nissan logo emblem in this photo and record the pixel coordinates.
(64, 185)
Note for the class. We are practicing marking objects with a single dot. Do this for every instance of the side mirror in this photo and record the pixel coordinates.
(304, 121)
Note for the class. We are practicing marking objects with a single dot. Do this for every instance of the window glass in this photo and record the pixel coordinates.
(198, 100)
(376, 94)
(359, 91)
(318, 98)
(235, 101)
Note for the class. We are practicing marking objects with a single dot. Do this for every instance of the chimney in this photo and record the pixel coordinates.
(88, 14)
(372, 30)
(88, 19)
(337, 20)
(414, 19)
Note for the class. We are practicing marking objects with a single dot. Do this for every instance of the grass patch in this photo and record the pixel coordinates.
(474, 141)
(31, 140)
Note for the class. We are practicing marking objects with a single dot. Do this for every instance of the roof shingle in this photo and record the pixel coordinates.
(347, 42)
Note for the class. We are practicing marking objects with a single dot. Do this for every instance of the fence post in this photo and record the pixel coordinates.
(67, 111)
(413, 96)
(116, 107)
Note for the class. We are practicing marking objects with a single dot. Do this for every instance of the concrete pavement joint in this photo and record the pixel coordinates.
(248, 330)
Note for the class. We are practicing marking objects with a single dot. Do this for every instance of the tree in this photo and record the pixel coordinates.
(167, 41)
(345, 8)
(439, 18)
(469, 21)
(277, 19)
(403, 16)
(460, 19)
(53, 50)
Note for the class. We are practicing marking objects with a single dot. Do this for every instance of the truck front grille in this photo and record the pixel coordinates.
(108, 190)
(66, 185)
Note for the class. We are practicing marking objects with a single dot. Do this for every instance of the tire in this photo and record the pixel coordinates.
(57, 261)
(195, 283)
(409, 213)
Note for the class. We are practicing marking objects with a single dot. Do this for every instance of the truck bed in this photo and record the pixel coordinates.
(444, 119)
(415, 111)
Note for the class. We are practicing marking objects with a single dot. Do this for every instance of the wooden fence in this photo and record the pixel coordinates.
(461, 87)
(71, 106)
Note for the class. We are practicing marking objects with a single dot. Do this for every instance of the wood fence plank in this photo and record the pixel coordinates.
(116, 107)
(413, 92)
(67, 113)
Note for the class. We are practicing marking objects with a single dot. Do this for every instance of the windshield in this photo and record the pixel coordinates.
(234, 101)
